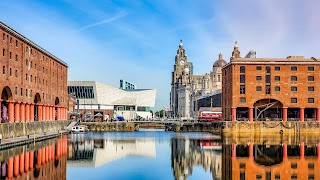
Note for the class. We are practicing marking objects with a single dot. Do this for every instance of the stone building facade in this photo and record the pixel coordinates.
(186, 87)
(271, 88)
(34, 82)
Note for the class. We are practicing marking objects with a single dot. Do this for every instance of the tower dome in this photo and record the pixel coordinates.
(220, 62)
(186, 70)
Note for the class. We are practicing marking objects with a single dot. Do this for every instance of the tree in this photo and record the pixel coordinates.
(160, 113)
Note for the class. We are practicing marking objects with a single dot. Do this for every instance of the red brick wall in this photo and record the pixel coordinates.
(51, 75)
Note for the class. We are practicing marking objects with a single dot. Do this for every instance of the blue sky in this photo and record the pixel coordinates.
(136, 40)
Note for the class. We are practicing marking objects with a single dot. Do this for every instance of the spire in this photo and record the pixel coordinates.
(236, 52)
(236, 44)
(180, 44)
(220, 56)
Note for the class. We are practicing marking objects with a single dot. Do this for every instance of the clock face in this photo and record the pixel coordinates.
(182, 62)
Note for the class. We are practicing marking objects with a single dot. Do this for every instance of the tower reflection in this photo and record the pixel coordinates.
(43, 160)
(268, 161)
(187, 153)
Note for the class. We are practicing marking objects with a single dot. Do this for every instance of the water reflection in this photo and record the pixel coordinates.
(271, 161)
(187, 153)
(43, 160)
(94, 152)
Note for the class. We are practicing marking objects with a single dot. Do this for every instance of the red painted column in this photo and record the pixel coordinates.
(43, 154)
(26, 164)
(58, 111)
(44, 118)
(32, 112)
(318, 152)
(52, 109)
(10, 167)
(301, 114)
(16, 165)
(318, 114)
(250, 114)
(234, 151)
(31, 159)
(251, 151)
(50, 113)
(301, 150)
(27, 112)
(234, 113)
(22, 163)
(47, 153)
(39, 112)
(11, 111)
(22, 112)
(285, 152)
(17, 112)
(39, 156)
(285, 113)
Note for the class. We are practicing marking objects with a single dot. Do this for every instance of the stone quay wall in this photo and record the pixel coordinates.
(111, 126)
(12, 130)
(262, 128)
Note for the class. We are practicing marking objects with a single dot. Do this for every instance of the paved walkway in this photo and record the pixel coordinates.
(17, 141)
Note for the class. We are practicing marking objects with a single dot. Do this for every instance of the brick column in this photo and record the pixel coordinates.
(234, 113)
(27, 112)
(301, 114)
(318, 114)
(32, 112)
(285, 152)
(17, 111)
(22, 112)
(301, 150)
(285, 113)
(11, 111)
(250, 114)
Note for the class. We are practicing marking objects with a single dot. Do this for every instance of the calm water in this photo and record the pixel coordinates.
(163, 155)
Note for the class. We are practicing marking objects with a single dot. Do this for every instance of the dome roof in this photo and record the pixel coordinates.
(186, 70)
(220, 62)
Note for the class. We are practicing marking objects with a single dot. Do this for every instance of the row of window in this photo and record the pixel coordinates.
(28, 93)
(277, 88)
(277, 78)
(6, 37)
(276, 68)
(293, 100)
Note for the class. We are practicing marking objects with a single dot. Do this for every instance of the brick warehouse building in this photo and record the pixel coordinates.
(270, 88)
(34, 82)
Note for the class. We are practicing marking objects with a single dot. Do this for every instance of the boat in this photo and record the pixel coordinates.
(79, 129)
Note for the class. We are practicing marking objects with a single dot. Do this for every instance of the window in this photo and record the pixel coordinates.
(268, 69)
(4, 36)
(277, 78)
(26, 92)
(21, 92)
(31, 78)
(218, 76)
(10, 40)
(27, 62)
(81, 92)
(310, 68)
(294, 78)
(26, 77)
(10, 72)
(242, 99)
(294, 88)
(3, 70)
(242, 78)
(242, 69)
(277, 68)
(10, 55)
(17, 57)
(294, 68)
(277, 88)
(16, 73)
(258, 88)
(310, 100)
(16, 91)
(268, 91)
(16, 43)
(258, 68)
(294, 100)
(310, 78)
(3, 52)
(310, 88)
(258, 78)
(267, 78)
(242, 89)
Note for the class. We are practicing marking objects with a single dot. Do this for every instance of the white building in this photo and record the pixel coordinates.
(111, 102)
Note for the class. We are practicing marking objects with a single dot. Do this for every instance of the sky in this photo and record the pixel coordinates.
(137, 40)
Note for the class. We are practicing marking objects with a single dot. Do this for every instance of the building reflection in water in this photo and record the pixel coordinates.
(269, 161)
(96, 152)
(187, 153)
(43, 160)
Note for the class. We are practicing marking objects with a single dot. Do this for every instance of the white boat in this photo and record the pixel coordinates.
(79, 129)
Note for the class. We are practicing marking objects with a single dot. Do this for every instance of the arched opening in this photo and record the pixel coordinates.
(267, 109)
(56, 103)
(268, 155)
(37, 100)
(5, 96)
